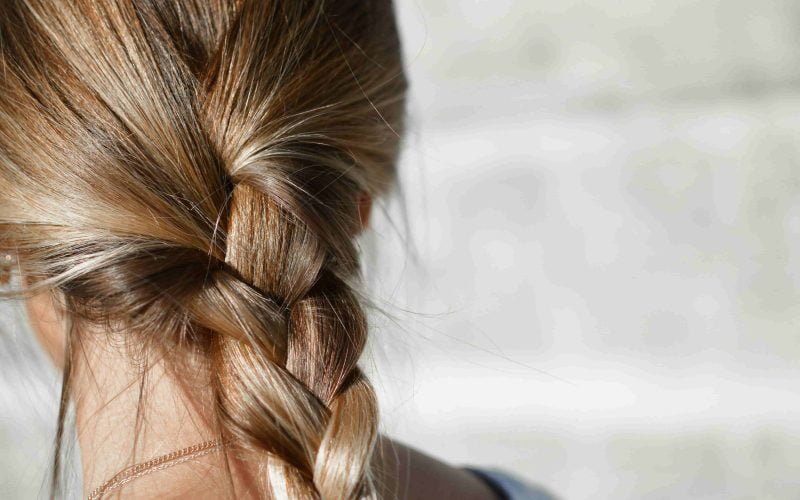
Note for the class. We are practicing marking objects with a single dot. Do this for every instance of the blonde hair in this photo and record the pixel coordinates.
(188, 173)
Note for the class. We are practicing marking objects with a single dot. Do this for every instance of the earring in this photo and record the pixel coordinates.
(6, 264)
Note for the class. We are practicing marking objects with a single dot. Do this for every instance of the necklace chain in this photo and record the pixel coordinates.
(155, 464)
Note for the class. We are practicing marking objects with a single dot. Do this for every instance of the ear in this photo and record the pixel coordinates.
(48, 324)
(364, 209)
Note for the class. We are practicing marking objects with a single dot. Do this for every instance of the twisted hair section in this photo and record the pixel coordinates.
(189, 172)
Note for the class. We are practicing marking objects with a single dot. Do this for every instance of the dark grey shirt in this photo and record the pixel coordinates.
(509, 487)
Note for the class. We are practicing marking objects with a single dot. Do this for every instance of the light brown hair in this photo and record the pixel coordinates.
(187, 173)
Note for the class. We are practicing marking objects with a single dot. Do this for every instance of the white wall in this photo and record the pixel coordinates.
(605, 199)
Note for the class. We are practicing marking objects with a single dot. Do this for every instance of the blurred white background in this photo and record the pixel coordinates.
(603, 205)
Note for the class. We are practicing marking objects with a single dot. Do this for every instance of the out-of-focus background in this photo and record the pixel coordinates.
(599, 288)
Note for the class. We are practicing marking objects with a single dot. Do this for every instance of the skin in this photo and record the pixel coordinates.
(107, 392)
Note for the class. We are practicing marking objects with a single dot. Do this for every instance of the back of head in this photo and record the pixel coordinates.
(188, 173)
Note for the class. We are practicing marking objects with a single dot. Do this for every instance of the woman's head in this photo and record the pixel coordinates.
(191, 175)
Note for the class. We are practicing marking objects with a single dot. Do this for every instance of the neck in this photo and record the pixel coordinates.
(127, 414)
(131, 411)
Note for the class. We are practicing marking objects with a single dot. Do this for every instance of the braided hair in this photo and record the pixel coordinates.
(188, 172)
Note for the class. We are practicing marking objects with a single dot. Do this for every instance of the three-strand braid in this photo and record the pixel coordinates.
(297, 161)
(301, 396)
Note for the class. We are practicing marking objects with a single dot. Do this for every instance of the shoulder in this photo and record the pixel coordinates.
(510, 487)
(409, 473)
